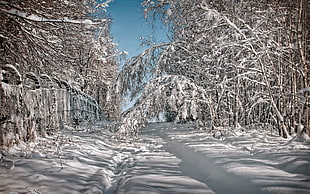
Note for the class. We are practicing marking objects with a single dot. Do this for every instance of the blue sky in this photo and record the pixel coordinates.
(128, 25)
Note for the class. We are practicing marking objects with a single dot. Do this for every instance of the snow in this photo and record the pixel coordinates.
(169, 12)
(161, 118)
(37, 18)
(167, 158)
(69, 162)
(307, 89)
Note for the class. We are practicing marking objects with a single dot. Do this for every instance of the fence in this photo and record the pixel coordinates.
(39, 105)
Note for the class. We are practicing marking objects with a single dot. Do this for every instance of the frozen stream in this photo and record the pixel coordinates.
(168, 158)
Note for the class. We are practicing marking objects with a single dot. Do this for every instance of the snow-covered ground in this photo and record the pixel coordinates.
(86, 160)
(167, 158)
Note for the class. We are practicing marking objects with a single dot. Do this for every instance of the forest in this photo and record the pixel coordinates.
(234, 72)
(229, 64)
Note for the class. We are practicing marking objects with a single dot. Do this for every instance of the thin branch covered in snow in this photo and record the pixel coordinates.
(36, 18)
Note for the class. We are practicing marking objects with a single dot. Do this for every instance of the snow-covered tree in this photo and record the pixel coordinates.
(250, 57)
(66, 39)
(173, 93)
(54, 53)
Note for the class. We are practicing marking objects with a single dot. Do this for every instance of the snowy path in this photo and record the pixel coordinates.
(168, 159)
(248, 163)
(158, 171)
(241, 163)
